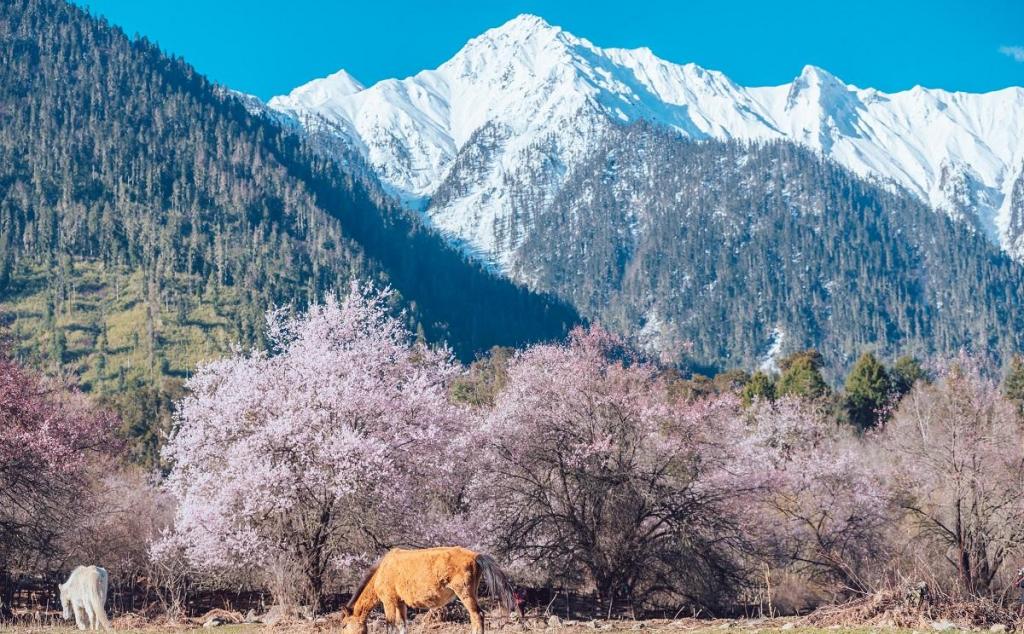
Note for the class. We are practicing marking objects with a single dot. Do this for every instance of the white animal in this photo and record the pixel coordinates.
(86, 590)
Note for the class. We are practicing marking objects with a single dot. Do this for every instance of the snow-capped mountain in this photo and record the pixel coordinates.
(523, 103)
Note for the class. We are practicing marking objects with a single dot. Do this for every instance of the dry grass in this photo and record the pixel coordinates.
(893, 608)
(890, 612)
(681, 626)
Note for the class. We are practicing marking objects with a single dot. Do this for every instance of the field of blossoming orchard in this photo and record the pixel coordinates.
(612, 493)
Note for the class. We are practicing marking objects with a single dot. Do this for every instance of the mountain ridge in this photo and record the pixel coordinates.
(952, 150)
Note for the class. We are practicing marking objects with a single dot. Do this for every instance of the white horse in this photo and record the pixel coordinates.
(86, 589)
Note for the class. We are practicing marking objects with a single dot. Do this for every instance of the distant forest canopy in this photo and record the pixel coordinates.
(148, 220)
(741, 248)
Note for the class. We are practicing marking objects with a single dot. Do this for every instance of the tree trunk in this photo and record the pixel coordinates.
(6, 596)
(965, 571)
(316, 593)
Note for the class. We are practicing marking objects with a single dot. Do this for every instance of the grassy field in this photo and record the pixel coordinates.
(108, 327)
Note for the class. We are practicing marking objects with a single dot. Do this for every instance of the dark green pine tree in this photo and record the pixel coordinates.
(760, 386)
(801, 376)
(1013, 384)
(868, 389)
(904, 374)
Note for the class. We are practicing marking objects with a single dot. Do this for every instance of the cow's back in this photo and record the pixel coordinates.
(89, 580)
(421, 577)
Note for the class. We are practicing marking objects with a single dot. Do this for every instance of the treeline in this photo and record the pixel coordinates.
(147, 219)
(584, 467)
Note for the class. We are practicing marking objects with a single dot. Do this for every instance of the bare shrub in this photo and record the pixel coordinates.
(955, 461)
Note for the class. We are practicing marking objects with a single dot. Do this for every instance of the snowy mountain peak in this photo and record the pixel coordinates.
(528, 97)
(319, 92)
(523, 26)
(526, 42)
(523, 37)
(811, 74)
(820, 86)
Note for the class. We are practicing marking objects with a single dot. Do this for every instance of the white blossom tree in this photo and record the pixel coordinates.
(827, 504)
(333, 444)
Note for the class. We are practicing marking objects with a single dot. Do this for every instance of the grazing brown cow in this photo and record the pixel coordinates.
(426, 578)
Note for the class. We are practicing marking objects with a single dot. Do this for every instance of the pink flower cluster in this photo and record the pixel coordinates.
(43, 426)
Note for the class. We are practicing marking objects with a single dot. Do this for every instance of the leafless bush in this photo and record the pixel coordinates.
(955, 462)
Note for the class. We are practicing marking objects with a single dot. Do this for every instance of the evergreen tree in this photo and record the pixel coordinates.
(59, 346)
(732, 381)
(801, 376)
(760, 386)
(1013, 384)
(868, 388)
(904, 373)
(486, 377)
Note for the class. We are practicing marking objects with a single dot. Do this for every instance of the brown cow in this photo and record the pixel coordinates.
(426, 578)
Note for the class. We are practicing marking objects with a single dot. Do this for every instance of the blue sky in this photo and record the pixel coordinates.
(267, 48)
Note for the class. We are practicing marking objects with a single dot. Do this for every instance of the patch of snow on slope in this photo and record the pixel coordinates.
(770, 363)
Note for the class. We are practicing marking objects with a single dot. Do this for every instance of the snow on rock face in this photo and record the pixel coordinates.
(549, 93)
(319, 93)
(1014, 213)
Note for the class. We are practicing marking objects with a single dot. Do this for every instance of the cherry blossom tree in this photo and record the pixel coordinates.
(46, 435)
(956, 464)
(335, 443)
(827, 502)
(598, 479)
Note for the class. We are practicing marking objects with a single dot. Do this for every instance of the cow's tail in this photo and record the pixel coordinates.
(498, 585)
(99, 599)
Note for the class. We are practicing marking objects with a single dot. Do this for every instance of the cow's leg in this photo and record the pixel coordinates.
(390, 612)
(89, 612)
(77, 609)
(403, 618)
(476, 616)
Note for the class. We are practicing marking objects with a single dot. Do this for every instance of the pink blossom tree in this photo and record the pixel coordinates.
(46, 435)
(827, 504)
(955, 462)
(598, 479)
(332, 444)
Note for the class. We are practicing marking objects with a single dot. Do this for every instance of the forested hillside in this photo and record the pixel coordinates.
(739, 248)
(147, 219)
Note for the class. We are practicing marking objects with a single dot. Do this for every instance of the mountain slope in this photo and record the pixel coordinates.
(739, 248)
(148, 218)
(533, 84)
